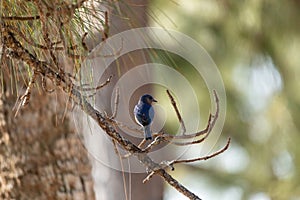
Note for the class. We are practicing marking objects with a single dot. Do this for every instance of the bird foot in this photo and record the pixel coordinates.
(148, 138)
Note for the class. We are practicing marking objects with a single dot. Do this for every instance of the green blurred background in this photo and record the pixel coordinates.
(256, 46)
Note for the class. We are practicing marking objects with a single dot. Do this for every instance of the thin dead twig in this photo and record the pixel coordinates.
(142, 143)
(205, 157)
(156, 142)
(149, 177)
(24, 99)
(183, 129)
(210, 124)
(116, 104)
(84, 45)
(105, 27)
(20, 18)
(122, 167)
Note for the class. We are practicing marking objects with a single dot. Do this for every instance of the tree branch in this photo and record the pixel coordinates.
(183, 129)
(19, 18)
(205, 157)
(210, 124)
(16, 51)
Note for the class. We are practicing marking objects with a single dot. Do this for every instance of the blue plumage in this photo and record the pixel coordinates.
(144, 114)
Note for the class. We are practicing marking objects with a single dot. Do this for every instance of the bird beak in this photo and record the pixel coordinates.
(154, 100)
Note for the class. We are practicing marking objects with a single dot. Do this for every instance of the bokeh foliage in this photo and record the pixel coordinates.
(256, 46)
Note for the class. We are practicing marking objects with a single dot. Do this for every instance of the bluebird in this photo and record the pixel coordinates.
(144, 114)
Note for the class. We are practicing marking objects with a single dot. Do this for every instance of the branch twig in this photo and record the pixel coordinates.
(183, 129)
(19, 18)
(205, 157)
(156, 142)
(24, 99)
(210, 124)
(116, 104)
(15, 50)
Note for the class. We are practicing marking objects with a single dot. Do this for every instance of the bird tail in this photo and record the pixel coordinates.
(147, 132)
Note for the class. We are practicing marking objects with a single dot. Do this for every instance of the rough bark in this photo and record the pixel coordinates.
(40, 155)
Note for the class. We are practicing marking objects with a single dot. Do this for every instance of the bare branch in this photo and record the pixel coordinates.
(183, 129)
(83, 41)
(175, 184)
(105, 27)
(156, 142)
(210, 124)
(188, 143)
(142, 143)
(19, 18)
(126, 156)
(122, 166)
(115, 146)
(24, 99)
(149, 177)
(206, 157)
(158, 139)
(116, 104)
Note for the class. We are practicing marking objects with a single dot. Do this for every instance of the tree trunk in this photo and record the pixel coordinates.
(41, 157)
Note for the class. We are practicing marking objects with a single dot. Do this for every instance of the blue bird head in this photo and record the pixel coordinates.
(147, 98)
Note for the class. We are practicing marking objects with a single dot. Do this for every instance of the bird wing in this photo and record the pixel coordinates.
(151, 113)
(144, 113)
